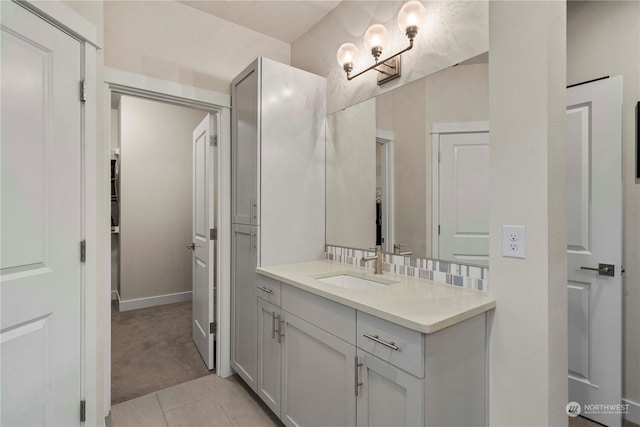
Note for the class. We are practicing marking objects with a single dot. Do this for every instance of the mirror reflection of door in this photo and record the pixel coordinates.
(461, 192)
(384, 190)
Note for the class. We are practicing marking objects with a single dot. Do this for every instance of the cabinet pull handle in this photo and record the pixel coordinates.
(357, 381)
(273, 325)
(279, 332)
(253, 210)
(375, 338)
(267, 290)
(253, 242)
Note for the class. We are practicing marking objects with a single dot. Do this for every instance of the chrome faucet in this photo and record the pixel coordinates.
(396, 249)
(377, 258)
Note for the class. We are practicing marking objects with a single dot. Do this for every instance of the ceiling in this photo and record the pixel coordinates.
(284, 20)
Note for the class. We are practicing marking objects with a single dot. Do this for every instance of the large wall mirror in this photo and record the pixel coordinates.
(409, 169)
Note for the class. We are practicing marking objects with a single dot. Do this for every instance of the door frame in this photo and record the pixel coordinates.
(125, 83)
(438, 129)
(61, 16)
(385, 138)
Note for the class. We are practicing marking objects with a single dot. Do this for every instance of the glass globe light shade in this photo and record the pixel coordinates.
(347, 54)
(411, 18)
(376, 37)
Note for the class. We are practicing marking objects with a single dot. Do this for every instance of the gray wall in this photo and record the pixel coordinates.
(351, 176)
(603, 39)
(156, 194)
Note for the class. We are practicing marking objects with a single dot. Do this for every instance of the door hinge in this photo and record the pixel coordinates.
(213, 234)
(439, 157)
(83, 251)
(214, 140)
(212, 327)
(83, 91)
(438, 229)
(83, 410)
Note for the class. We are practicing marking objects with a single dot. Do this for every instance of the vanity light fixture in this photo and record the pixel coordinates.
(411, 18)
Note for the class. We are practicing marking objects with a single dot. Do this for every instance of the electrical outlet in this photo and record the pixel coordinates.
(513, 241)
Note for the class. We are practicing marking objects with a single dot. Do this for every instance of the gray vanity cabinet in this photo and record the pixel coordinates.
(269, 360)
(388, 396)
(318, 372)
(243, 301)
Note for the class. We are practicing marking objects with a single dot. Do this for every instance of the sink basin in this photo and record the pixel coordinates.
(354, 283)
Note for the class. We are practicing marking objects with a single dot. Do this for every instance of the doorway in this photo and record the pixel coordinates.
(152, 211)
(120, 83)
(384, 190)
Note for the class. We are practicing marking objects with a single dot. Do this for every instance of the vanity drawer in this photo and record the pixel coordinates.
(335, 318)
(392, 343)
(269, 289)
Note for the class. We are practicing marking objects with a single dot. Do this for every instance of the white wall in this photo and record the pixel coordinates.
(351, 176)
(172, 41)
(457, 31)
(156, 197)
(603, 38)
(527, 104)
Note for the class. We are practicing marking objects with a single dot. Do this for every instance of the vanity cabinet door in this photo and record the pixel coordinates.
(388, 395)
(269, 354)
(318, 376)
(244, 146)
(243, 303)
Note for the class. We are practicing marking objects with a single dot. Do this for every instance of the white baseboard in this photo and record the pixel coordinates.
(133, 304)
(114, 295)
(634, 411)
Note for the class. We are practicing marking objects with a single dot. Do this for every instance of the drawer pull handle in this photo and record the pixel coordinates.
(267, 290)
(375, 338)
(273, 325)
(358, 383)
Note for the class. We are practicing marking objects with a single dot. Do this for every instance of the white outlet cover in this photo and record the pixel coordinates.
(513, 241)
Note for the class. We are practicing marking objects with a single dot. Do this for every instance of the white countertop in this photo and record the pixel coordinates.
(418, 304)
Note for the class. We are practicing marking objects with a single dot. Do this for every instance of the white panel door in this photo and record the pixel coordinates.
(40, 279)
(203, 246)
(594, 236)
(463, 197)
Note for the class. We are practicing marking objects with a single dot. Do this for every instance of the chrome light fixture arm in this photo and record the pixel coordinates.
(373, 67)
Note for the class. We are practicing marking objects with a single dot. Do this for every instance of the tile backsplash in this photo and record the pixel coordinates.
(450, 273)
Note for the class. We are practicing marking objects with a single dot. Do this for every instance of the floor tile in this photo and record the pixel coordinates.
(143, 411)
(204, 412)
(255, 419)
(182, 394)
(234, 398)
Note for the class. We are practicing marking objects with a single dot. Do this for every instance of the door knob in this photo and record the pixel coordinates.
(192, 246)
(603, 269)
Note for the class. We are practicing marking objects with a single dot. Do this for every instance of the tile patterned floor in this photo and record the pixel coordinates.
(207, 401)
(214, 401)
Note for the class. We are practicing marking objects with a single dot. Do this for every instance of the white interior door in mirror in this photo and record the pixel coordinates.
(461, 192)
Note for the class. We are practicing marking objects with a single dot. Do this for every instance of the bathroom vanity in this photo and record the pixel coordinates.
(340, 346)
